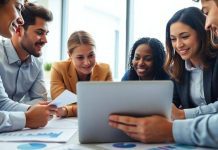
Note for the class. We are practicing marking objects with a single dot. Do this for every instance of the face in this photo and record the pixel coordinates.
(143, 61)
(83, 58)
(184, 40)
(210, 9)
(10, 17)
(34, 38)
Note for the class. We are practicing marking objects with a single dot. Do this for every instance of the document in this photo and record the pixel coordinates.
(58, 130)
(64, 99)
(141, 146)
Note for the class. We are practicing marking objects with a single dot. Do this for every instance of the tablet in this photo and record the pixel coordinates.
(97, 100)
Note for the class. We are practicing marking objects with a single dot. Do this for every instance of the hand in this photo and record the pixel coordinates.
(153, 129)
(62, 112)
(177, 113)
(38, 115)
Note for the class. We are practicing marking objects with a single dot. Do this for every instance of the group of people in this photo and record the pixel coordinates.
(190, 61)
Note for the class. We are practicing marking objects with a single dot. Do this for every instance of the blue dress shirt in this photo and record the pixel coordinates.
(23, 81)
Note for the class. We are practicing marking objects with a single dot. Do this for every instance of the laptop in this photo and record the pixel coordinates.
(97, 100)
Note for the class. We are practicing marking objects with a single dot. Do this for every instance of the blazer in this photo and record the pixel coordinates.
(210, 82)
(64, 76)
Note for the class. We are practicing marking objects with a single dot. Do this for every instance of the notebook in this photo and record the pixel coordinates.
(97, 100)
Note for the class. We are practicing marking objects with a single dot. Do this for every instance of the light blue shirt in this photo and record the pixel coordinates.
(197, 94)
(23, 82)
(12, 116)
(201, 131)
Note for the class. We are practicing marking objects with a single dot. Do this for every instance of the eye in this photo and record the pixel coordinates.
(136, 57)
(173, 39)
(205, 12)
(148, 58)
(185, 36)
(19, 7)
(80, 58)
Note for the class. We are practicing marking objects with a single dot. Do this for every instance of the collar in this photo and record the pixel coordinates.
(12, 54)
(189, 67)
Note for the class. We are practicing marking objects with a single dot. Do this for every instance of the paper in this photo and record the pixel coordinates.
(64, 99)
(38, 135)
(57, 130)
(141, 146)
(27, 145)
(71, 147)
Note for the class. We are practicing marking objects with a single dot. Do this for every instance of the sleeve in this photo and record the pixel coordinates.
(201, 131)
(9, 105)
(126, 76)
(38, 89)
(109, 75)
(211, 108)
(57, 83)
(11, 121)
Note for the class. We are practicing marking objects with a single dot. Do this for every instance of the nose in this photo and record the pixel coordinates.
(87, 61)
(207, 24)
(141, 61)
(20, 21)
(179, 43)
(44, 38)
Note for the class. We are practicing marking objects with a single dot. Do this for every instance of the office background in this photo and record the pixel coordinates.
(114, 24)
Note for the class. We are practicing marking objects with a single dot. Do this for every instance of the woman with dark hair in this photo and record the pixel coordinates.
(146, 60)
(10, 14)
(192, 63)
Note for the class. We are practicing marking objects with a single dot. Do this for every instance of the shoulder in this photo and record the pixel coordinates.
(102, 66)
(61, 64)
(126, 76)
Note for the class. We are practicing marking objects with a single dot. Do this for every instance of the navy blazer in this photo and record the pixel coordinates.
(181, 95)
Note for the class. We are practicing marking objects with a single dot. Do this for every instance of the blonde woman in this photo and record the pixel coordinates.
(81, 66)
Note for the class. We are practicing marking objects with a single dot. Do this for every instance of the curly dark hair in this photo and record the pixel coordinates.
(158, 57)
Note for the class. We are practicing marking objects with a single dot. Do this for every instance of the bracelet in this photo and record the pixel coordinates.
(65, 107)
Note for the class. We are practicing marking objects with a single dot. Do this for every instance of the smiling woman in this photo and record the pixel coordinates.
(81, 66)
(10, 14)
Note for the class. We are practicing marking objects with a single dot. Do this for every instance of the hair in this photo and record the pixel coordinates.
(158, 57)
(216, 1)
(193, 17)
(79, 38)
(3, 2)
(31, 11)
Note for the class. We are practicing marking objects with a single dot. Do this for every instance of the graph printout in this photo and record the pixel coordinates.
(42, 135)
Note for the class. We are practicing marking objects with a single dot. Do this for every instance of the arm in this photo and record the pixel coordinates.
(109, 75)
(38, 90)
(201, 131)
(7, 104)
(211, 108)
(57, 87)
(11, 121)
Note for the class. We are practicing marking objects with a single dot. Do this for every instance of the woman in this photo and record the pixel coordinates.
(146, 61)
(10, 14)
(81, 66)
(192, 64)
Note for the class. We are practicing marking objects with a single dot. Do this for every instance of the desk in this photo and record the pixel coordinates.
(73, 142)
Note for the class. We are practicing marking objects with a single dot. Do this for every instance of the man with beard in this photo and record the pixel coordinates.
(20, 63)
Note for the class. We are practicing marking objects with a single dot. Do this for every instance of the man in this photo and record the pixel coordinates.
(200, 131)
(23, 115)
(21, 70)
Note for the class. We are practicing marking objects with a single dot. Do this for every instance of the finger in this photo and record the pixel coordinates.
(123, 119)
(123, 127)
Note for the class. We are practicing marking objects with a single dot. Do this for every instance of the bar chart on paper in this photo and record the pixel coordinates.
(43, 135)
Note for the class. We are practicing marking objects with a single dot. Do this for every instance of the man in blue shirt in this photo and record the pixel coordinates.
(14, 115)
(200, 131)
(21, 69)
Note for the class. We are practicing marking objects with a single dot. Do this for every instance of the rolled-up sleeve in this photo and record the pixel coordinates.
(200, 131)
(11, 121)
